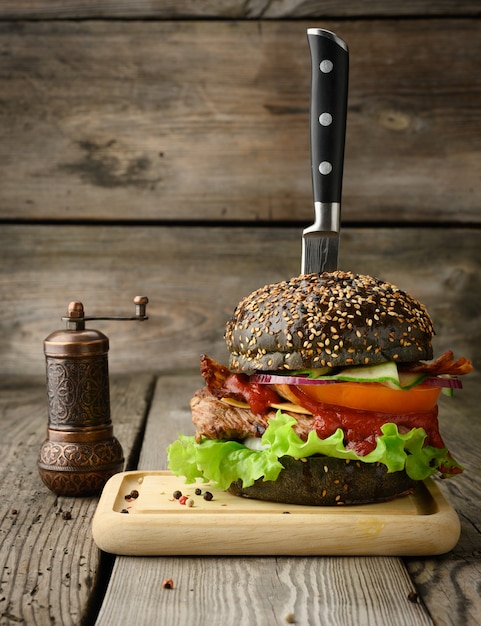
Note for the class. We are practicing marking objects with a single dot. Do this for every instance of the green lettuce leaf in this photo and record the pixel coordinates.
(222, 462)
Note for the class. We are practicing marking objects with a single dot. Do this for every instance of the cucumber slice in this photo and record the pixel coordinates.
(384, 373)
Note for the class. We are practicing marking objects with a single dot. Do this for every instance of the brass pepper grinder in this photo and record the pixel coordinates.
(80, 453)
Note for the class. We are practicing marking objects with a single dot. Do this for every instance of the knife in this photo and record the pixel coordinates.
(328, 113)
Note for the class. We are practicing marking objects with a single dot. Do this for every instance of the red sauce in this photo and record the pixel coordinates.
(259, 397)
(361, 428)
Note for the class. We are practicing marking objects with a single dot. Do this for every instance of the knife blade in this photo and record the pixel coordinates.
(328, 114)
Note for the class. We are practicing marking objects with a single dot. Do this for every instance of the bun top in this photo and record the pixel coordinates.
(331, 319)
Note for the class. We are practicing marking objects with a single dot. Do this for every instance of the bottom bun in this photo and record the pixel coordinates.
(326, 481)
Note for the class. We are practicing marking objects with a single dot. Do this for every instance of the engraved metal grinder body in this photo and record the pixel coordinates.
(80, 453)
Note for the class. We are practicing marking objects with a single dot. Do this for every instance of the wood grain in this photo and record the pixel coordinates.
(51, 568)
(423, 524)
(130, 117)
(338, 591)
(219, 591)
(448, 585)
(228, 9)
(208, 120)
(460, 570)
(195, 277)
(434, 578)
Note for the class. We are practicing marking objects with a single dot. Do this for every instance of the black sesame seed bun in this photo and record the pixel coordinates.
(331, 319)
(327, 481)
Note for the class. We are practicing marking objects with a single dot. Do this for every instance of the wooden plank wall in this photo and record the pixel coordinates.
(162, 148)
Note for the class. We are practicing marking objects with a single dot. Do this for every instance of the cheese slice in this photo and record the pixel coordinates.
(293, 408)
(283, 406)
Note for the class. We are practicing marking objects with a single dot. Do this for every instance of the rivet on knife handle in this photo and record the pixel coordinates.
(329, 86)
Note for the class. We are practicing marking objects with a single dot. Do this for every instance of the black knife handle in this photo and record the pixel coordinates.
(330, 73)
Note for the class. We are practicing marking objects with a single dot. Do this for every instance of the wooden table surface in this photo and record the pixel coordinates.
(53, 573)
(161, 148)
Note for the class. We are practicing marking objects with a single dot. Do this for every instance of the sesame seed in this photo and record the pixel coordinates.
(319, 309)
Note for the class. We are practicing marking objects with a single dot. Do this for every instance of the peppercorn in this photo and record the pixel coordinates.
(124, 511)
(177, 494)
(413, 597)
(134, 494)
(208, 496)
(168, 583)
(183, 499)
(198, 491)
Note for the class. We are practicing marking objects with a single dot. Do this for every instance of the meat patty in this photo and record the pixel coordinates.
(215, 419)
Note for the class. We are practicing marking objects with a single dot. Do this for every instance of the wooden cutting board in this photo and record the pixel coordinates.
(155, 523)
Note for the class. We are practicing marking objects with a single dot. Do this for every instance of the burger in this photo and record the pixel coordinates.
(330, 396)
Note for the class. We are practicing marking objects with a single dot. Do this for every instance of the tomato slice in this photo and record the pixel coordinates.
(375, 397)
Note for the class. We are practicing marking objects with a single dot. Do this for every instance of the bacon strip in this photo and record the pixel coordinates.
(445, 364)
(214, 375)
(223, 384)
